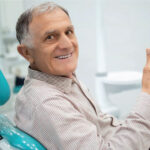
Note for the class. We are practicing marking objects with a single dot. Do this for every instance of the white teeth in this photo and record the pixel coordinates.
(63, 57)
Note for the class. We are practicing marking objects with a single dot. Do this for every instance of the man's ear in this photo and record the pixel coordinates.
(26, 53)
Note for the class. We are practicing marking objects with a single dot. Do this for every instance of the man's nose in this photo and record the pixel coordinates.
(64, 42)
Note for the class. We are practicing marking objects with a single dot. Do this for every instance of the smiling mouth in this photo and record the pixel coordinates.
(64, 56)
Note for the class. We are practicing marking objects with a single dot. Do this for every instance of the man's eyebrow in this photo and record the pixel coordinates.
(56, 31)
(50, 32)
(70, 27)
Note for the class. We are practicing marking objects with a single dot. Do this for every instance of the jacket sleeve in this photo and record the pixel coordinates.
(134, 133)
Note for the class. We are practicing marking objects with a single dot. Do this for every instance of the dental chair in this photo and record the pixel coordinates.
(11, 138)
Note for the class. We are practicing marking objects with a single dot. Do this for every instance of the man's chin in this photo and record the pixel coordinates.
(68, 73)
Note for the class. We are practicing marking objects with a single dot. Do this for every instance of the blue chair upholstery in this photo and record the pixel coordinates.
(4, 89)
(16, 137)
(8, 131)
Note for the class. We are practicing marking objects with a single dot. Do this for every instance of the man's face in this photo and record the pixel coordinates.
(55, 47)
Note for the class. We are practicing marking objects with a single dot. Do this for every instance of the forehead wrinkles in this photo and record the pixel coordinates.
(50, 20)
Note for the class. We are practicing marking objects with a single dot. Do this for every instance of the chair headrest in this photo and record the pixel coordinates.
(4, 89)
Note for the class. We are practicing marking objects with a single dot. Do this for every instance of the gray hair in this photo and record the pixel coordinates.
(22, 26)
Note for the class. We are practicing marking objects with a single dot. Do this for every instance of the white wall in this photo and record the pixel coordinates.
(10, 11)
(127, 29)
(127, 35)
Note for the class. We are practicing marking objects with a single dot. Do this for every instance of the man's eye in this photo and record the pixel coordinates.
(69, 32)
(50, 37)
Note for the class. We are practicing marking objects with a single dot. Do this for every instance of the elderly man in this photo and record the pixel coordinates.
(52, 98)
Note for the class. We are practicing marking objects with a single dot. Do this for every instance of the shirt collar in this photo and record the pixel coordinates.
(62, 83)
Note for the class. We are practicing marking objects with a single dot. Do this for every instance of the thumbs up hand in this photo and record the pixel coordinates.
(146, 73)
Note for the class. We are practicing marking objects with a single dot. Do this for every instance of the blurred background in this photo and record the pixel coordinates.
(112, 36)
